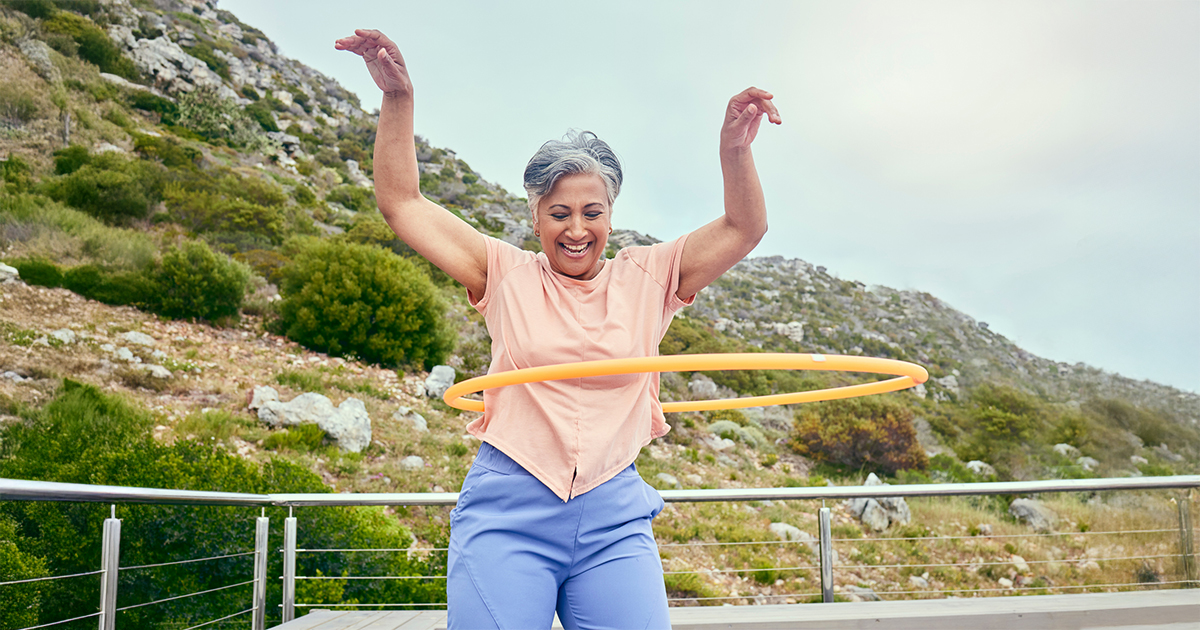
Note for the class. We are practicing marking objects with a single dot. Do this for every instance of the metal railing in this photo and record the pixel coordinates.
(21, 490)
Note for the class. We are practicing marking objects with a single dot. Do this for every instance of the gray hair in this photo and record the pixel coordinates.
(577, 152)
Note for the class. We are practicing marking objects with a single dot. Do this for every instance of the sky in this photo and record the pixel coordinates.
(1035, 165)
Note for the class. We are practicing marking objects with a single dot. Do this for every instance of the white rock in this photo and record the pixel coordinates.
(1019, 563)
(982, 469)
(439, 380)
(918, 582)
(41, 341)
(1005, 582)
(350, 427)
(1138, 459)
(786, 531)
(305, 408)
(412, 462)
(137, 338)
(13, 376)
(1066, 450)
(108, 347)
(125, 354)
(874, 516)
(669, 480)
(8, 274)
(64, 335)
(948, 383)
(260, 395)
(694, 479)
(1087, 463)
(157, 371)
(406, 414)
(702, 387)
(918, 390)
(105, 147)
(1034, 514)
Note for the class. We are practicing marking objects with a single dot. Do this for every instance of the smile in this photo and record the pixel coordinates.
(576, 250)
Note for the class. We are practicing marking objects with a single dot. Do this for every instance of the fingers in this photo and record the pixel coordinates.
(762, 99)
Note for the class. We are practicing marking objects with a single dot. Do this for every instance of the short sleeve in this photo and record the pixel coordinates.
(661, 262)
(502, 258)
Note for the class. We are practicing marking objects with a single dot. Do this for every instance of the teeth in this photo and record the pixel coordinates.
(575, 249)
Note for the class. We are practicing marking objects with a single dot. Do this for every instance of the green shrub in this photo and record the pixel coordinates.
(215, 118)
(71, 159)
(20, 105)
(733, 431)
(195, 282)
(363, 301)
(355, 198)
(94, 44)
(302, 438)
(265, 262)
(872, 433)
(260, 111)
(212, 211)
(110, 187)
(21, 604)
(166, 150)
(40, 272)
(133, 288)
(168, 112)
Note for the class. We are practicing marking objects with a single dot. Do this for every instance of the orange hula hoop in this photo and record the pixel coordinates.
(907, 375)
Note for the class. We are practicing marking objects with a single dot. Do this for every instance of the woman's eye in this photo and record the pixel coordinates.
(560, 216)
(593, 215)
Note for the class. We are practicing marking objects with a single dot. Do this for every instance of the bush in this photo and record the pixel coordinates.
(166, 150)
(260, 111)
(110, 188)
(215, 118)
(363, 301)
(302, 438)
(195, 282)
(94, 44)
(40, 272)
(133, 288)
(355, 198)
(71, 159)
(872, 433)
(168, 112)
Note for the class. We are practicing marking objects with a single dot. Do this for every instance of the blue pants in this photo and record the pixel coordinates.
(518, 553)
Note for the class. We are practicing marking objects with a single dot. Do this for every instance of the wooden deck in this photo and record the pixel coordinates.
(1149, 610)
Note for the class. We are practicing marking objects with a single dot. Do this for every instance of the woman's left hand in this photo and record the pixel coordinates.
(743, 116)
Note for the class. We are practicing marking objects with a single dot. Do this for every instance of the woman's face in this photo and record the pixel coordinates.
(573, 222)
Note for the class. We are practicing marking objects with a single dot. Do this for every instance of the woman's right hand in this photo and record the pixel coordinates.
(383, 58)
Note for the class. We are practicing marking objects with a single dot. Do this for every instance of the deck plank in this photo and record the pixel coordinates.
(1148, 610)
(316, 619)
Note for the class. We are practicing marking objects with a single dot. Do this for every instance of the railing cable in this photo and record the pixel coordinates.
(164, 564)
(53, 577)
(55, 623)
(221, 619)
(170, 599)
(371, 577)
(1000, 563)
(1033, 588)
(362, 605)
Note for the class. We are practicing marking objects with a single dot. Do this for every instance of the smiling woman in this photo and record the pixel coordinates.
(553, 516)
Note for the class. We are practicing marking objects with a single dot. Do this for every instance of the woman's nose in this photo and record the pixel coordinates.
(575, 228)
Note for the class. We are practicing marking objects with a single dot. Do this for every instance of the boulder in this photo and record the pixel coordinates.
(983, 469)
(157, 371)
(408, 416)
(439, 380)
(13, 376)
(702, 387)
(64, 335)
(1034, 514)
(859, 593)
(880, 513)
(350, 427)
(874, 517)
(1019, 564)
(668, 480)
(348, 424)
(38, 54)
(261, 395)
(9, 274)
(919, 583)
(694, 479)
(1138, 459)
(785, 531)
(1066, 450)
(140, 339)
(412, 462)
(1087, 463)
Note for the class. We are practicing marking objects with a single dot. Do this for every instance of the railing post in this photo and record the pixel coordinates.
(260, 571)
(826, 557)
(1186, 549)
(110, 559)
(289, 567)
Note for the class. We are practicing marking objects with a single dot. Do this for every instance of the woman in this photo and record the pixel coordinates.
(553, 516)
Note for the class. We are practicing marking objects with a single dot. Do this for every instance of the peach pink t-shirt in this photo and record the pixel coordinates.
(574, 435)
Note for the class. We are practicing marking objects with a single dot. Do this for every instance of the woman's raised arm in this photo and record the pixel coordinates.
(444, 239)
(713, 248)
